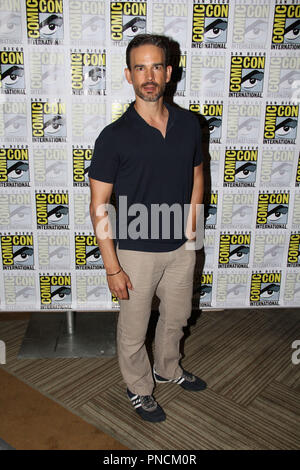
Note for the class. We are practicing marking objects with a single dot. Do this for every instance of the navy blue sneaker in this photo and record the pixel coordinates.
(186, 380)
(147, 407)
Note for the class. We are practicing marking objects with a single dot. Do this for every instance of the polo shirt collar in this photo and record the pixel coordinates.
(139, 121)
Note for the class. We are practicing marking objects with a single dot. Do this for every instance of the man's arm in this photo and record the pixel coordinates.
(196, 199)
(100, 195)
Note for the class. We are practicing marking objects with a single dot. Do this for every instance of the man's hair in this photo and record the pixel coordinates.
(154, 40)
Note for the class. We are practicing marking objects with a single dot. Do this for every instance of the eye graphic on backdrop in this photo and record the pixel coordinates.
(10, 77)
(216, 31)
(21, 215)
(205, 292)
(239, 254)
(288, 79)
(54, 124)
(214, 124)
(93, 256)
(248, 126)
(52, 75)
(245, 171)
(134, 27)
(93, 76)
(50, 25)
(16, 124)
(285, 127)
(23, 254)
(213, 78)
(273, 252)
(57, 213)
(256, 30)
(10, 25)
(17, 170)
(242, 213)
(25, 293)
(250, 80)
(236, 291)
(210, 213)
(292, 31)
(59, 294)
(276, 214)
(176, 26)
(55, 170)
(269, 291)
(282, 172)
(58, 254)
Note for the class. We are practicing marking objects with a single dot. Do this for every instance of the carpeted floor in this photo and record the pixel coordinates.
(252, 399)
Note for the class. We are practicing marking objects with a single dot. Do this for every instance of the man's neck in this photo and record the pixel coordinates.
(151, 111)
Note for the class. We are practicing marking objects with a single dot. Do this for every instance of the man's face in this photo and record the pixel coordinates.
(148, 74)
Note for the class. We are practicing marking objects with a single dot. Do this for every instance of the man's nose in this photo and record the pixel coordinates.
(150, 74)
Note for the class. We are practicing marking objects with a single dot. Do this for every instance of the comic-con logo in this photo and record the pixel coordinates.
(19, 290)
(294, 250)
(50, 166)
(14, 167)
(127, 19)
(170, 19)
(17, 251)
(268, 249)
(45, 22)
(240, 167)
(243, 123)
(47, 72)
(292, 289)
(250, 24)
(210, 22)
(48, 121)
(87, 22)
(11, 22)
(281, 123)
(87, 253)
(211, 211)
(231, 288)
(88, 72)
(272, 210)
(207, 73)
(246, 75)
(265, 288)
(286, 27)
(277, 167)
(284, 76)
(237, 209)
(213, 114)
(12, 80)
(13, 121)
(298, 172)
(206, 286)
(52, 210)
(91, 289)
(234, 250)
(55, 291)
(53, 250)
(81, 163)
(88, 118)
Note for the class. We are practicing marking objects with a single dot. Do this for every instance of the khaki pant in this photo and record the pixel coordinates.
(170, 275)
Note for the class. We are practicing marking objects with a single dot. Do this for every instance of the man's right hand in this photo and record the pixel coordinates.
(119, 285)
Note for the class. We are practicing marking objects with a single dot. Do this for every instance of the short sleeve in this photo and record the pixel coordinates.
(198, 157)
(105, 160)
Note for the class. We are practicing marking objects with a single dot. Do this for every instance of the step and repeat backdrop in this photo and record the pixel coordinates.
(62, 80)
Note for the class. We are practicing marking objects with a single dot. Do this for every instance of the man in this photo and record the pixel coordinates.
(152, 155)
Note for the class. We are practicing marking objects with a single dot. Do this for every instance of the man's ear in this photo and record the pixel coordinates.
(168, 73)
(128, 75)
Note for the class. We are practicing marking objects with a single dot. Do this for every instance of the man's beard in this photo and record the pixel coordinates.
(150, 97)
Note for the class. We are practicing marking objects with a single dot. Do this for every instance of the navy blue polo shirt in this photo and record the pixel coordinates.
(148, 169)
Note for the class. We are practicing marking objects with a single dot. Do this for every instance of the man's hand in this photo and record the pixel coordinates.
(118, 285)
